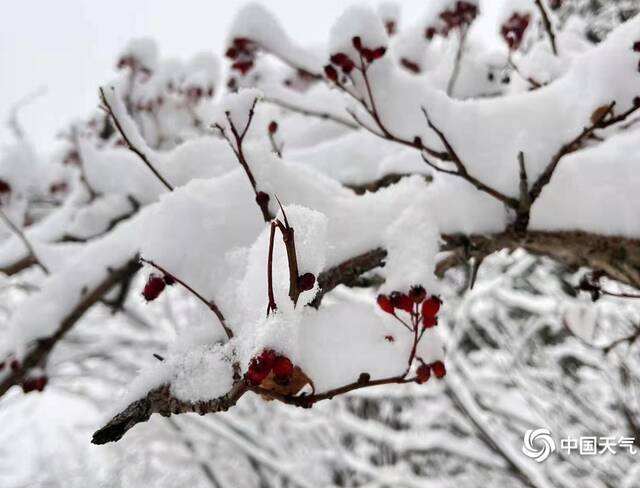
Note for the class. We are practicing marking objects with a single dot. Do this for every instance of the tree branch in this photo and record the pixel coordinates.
(546, 21)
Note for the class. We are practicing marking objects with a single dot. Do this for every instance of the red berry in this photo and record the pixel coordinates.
(231, 53)
(331, 73)
(431, 307)
(368, 54)
(430, 33)
(154, 286)
(14, 365)
(348, 67)
(2, 365)
(241, 43)
(402, 301)
(636, 46)
(429, 321)
(384, 302)
(40, 383)
(282, 368)
(242, 66)
(389, 338)
(273, 127)
(4, 186)
(423, 373)
(379, 52)
(438, 369)
(340, 59)
(417, 294)
(306, 281)
(169, 280)
(260, 367)
(357, 42)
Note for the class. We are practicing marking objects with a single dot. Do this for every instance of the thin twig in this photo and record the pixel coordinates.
(461, 169)
(211, 305)
(18, 232)
(130, 145)
(458, 61)
(238, 150)
(546, 21)
(311, 113)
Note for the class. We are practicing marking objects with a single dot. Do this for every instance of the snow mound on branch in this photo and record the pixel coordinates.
(257, 23)
(201, 373)
(357, 20)
(412, 244)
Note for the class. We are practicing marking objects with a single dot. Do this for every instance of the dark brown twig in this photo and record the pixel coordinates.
(18, 232)
(261, 198)
(546, 21)
(211, 305)
(130, 145)
(461, 169)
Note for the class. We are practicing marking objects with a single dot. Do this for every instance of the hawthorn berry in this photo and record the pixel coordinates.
(389, 338)
(357, 42)
(2, 365)
(384, 302)
(636, 46)
(429, 321)
(379, 52)
(4, 186)
(331, 73)
(430, 33)
(14, 365)
(169, 280)
(431, 306)
(153, 288)
(282, 368)
(402, 301)
(231, 53)
(273, 127)
(423, 373)
(438, 369)
(260, 367)
(340, 59)
(417, 294)
(306, 281)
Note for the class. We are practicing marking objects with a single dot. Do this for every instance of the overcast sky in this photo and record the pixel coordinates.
(69, 46)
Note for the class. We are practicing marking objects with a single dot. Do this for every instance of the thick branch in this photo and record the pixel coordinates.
(163, 402)
(617, 257)
(348, 272)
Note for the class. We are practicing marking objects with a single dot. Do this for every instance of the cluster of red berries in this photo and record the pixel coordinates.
(155, 285)
(513, 29)
(346, 64)
(462, 14)
(423, 373)
(266, 362)
(36, 383)
(243, 54)
(415, 302)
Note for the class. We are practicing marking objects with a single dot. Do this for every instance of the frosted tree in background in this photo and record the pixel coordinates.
(433, 225)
